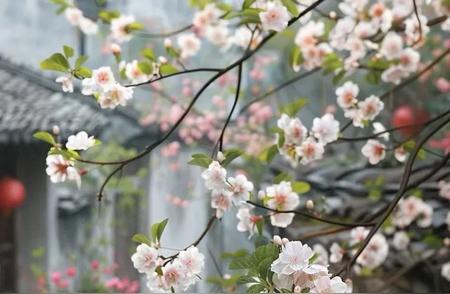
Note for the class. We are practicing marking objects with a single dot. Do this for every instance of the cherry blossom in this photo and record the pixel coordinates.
(247, 220)
(445, 271)
(145, 258)
(294, 130)
(66, 83)
(374, 151)
(214, 176)
(346, 94)
(401, 240)
(240, 187)
(376, 251)
(80, 141)
(310, 150)
(325, 129)
(189, 45)
(413, 209)
(281, 197)
(444, 189)
(60, 169)
(134, 73)
(192, 260)
(221, 200)
(294, 257)
(275, 17)
(73, 15)
(370, 107)
(119, 28)
(336, 253)
(392, 46)
(115, 95)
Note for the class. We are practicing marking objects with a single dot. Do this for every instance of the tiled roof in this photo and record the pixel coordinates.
(30, 102)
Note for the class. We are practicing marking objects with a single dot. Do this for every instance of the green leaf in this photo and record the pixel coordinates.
(145, 67)
(291, 6)
(45, 136)
(80, 61)
(291, 109)
(283, 176)
(157, 230)
(260, 226)
(134, 26)
(56, 62)
(257, 288)
(296, 56)
(247, 3)
(38, 252)
(68, 51)
(331, 63)
(83, 72)
(268, 154)
(167, 69)
(148, 53)
(373, 77)
(301, 187)
(230, 155)
(200, 159)
(338, 77)
(141, 238)
(107, 15)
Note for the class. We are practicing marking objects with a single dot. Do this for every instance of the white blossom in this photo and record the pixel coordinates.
(392, 46)
(326, 128)
(240, 187)
(374, 151)
(445, 271)
(346, 94)
(294, 256)
(214, 176)
(189, 45)
(275, 17)
(60, 169)
(336, 253)
(115, 95)
(310, 150)
(80, 141)
(401, 240)
(145, 259)
(73, 15)
(192, 260)
(371, 107)
(66, 83)
(281, 197)
(119, 28)
(221, 201)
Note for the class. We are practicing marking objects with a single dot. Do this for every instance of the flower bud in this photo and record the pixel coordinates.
(447, 242)
(277, 240)
(332, 14)
(167, 43)
(56, 130)
(285, 241)
(115, 49)
(220, 156)
(310, 204)
(298, 289)
(162, 59)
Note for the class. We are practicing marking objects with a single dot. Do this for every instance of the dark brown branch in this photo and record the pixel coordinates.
(400, 193)
(311, 216)
(164, 35)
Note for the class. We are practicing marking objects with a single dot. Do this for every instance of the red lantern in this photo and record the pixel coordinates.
(406, 115)
(12, 193)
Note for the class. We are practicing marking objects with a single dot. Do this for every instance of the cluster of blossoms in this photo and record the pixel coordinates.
(174, 275)
(301, 146)
(106, 89)
(297, 271)
(360, 112)
(372, 256)
(60, 169)
(280, 197)
(413, 209)
(75, 17)
(225, 192)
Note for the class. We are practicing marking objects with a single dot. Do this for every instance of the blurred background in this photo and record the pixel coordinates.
(59, 237)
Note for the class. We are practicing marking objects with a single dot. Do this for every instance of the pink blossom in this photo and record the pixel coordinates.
(443, 85)
(55, 277)
(95, 264)
(71, 271)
